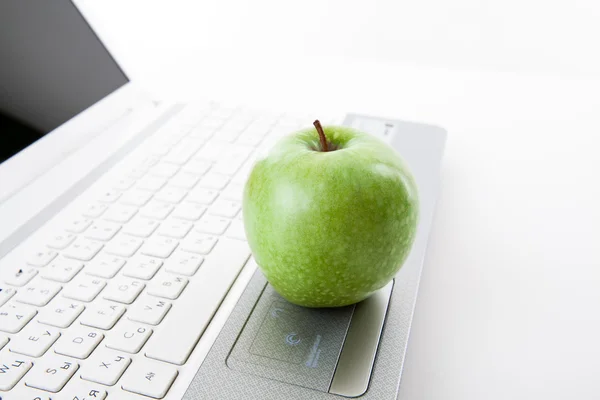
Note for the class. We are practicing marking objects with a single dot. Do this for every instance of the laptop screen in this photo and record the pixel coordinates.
(53, 67)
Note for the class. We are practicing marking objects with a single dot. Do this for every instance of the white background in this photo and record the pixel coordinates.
(509, 306)
(537, 36)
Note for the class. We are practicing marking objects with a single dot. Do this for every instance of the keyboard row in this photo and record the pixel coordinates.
(105, 330)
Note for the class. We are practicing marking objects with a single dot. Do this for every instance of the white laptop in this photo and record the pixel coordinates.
(124, 270)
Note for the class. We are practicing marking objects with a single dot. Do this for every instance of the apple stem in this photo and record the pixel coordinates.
(322, 136)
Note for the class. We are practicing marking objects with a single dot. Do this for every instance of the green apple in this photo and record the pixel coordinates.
(330, 215)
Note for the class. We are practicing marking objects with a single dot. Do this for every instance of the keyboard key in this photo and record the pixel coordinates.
(142, 267)
(102, 314)
(212, 224)
(193, 113)
(136, 173)
(171, 343)
(236, 230)
(249, 139)
(60, 313)
(202, 196)
(170, 195)
(184, 180)
(262, 123)
(41, 258)
(148, 162)
(160, 146)
(82, 390)
(61, 240)
(3, 341)
(167, 286)
(83, 249)
(151, 183)
(149, 378)
(141, 227)
(175, 228)
(12, 369)
(226, 134)
(190, 144)
(197, 167)
(120, 213)
(62, 270)
(105, 366)
(78, 225)
(136, 197)
(14, 316)
(159, 247)
(162, 142)
(225, 208)
(78, 342)
(34, 340)
(123, 183)
(198, 243)
(258, 128)
(231, 162)
(212, 151)
(231, 130)
(212, 180)
(38, 293)
(124, 290)
(149, 310)
(27, 393)
(102, 230)
(123, 245)
(109, 196)
(156, 209)
(18, 276)
(189, 211)
(236, 124)
(215, 121)
(201, 132)
(217, 118)
(233, 191)
(84, 288)
(105, 266)
(239, 152)
(128, 336)
(174, 131)
(182, 152)
(94, 210)
(242, 174)
(51, 373)
(183, 263)
(164, 170)
(6, 293)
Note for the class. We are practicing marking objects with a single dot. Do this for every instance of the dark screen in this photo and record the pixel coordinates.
(52, 67)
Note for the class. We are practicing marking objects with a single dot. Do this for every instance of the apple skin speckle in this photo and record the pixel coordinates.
(330, 228)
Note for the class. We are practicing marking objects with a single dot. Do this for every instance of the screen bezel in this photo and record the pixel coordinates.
(38, 157)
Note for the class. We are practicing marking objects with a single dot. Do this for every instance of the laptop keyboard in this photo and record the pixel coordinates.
(117, 298)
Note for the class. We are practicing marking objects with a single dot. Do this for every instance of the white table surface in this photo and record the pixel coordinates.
(509, 304)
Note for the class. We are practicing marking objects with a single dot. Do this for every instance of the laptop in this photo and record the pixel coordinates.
(124, 269)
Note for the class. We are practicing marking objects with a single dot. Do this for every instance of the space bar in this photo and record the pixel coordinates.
(183, 326)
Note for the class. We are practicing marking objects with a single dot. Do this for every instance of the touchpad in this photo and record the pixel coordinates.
(327, 349)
